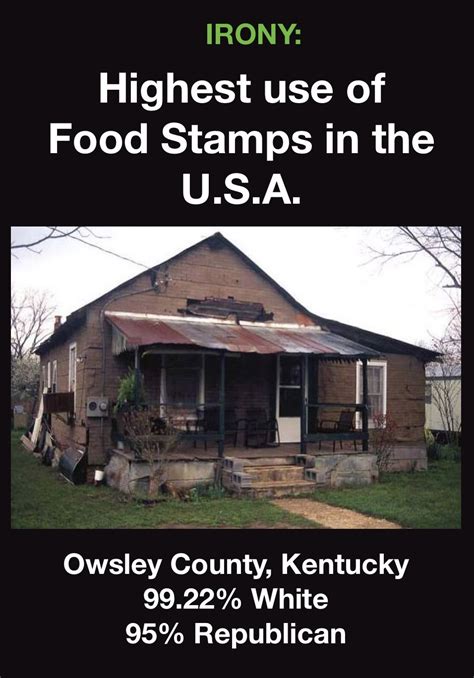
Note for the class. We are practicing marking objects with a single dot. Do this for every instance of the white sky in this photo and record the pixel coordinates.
(323, 267)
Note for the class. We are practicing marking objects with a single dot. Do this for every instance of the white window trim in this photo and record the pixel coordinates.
(48, 373)
(72, 346)
(54, 376)
(370, 363)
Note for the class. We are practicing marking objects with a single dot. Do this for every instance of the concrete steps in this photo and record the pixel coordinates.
(268, 477)
(279, 488)
(276, 473)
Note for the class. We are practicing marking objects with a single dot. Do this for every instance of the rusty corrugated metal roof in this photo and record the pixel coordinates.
(147, 330)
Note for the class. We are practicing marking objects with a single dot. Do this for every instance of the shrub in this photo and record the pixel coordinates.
(149, 444)
(383, 439)
(432, 447)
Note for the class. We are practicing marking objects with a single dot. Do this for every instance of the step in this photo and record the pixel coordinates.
(261, 461)
(274, 473)
(278, 488)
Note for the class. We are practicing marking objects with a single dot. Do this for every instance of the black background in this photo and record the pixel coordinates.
(59, 625)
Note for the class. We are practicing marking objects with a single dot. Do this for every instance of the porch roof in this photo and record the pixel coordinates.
(141, 329)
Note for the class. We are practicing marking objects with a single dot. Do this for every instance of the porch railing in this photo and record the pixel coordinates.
(181, 421)
(311, 413)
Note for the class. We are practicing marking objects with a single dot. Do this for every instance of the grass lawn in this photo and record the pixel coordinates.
(42, 499)
(426, 499)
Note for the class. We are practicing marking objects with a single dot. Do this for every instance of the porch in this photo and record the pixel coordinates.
(185, 451)
(243, 400)
(231, 387)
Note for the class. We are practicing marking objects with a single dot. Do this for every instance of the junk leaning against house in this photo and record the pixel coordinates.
(40, 441)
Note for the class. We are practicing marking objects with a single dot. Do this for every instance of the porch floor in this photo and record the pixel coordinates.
(187, 451)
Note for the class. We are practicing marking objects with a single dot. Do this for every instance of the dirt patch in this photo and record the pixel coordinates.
(334, 517)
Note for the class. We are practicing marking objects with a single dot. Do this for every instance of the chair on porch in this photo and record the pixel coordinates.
(260, 430)
(208, 421)
(345, 424)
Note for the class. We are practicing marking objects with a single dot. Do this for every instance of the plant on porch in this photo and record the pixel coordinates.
(130, 391)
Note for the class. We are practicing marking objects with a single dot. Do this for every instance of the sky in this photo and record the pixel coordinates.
(327, 269)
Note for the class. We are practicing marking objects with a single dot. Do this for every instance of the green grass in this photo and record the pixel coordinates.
(425, 499)
(42, 499)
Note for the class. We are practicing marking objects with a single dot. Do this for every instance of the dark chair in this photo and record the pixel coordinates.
(345, 424)
(208, 421)
(260, 430)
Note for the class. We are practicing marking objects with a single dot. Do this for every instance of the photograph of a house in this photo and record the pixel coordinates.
(232, 372)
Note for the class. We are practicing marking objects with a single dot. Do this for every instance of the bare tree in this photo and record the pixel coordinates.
(81, 234)
(442, 244)
(446, 388)
(48, 233)
(30, 313)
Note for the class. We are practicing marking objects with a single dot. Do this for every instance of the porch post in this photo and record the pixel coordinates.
(163, 394)
(137, 376)
(221, 406)
(365, 402)
(304, 403)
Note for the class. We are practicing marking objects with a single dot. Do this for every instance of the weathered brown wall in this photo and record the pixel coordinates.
(405, 392)
(203, 272)
(71, 434)
(250, 382)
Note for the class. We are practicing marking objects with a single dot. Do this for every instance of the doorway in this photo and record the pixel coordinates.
(288, 398)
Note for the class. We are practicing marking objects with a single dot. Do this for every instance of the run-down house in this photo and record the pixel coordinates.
(253, 385)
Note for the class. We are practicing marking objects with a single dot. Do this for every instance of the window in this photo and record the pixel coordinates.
(43, 378)
(49, 376)
(54, 377)
(377, 389)
(182, 382)
(72, 367)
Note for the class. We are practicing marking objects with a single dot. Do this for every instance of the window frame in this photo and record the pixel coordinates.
(371, 363)
(72, 347)
(54, 376)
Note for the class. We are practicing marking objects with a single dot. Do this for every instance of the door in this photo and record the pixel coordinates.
(288, 405)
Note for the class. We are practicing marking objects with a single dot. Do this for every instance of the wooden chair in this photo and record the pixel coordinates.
(208, 421)
(345, 424)
(260, 430)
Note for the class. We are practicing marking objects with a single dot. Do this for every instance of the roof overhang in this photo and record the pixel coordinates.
(133, 330)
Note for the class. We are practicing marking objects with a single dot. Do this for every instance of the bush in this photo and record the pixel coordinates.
(450, 452)
(432, 447)
(383, 439)
(436, 450)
